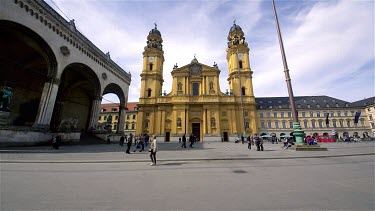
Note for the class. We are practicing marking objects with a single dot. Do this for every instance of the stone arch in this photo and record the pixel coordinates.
(26, 65)
(79, 88)
(115, 89)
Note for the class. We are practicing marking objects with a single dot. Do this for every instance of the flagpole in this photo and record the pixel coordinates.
(297, 130)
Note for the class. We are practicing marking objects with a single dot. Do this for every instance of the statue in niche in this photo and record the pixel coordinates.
(211, 86)
(179, 86)
(6, 95)
(213, 122)
(179, 123)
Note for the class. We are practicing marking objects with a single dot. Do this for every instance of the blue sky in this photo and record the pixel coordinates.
(329, 45)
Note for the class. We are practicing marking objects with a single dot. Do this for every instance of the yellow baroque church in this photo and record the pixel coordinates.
(196, 105)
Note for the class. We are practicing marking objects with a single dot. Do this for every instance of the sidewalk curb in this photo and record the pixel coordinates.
(185, 160)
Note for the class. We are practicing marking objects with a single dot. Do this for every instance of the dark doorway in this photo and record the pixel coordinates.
(225, 134)
(167, 136)
(196, 130)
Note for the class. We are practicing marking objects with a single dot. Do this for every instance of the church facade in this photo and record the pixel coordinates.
(196, 105)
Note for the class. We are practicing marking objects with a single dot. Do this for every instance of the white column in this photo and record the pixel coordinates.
(95, 111)
(47, 103)
(121, 121)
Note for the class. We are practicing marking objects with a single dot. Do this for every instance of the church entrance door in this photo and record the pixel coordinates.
(196, 130)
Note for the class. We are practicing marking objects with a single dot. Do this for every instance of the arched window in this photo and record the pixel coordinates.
(243, 90)
(148, 92)
(151, 67)
(240, 64)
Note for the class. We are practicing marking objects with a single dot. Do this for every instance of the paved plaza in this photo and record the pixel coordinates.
(211, 176)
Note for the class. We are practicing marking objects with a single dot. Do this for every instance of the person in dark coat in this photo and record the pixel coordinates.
(183, 141)
(257, 141)
(248, 142)
(56, 142)
(109, 139)
(122, 140)
(129, 143)
(191, 140)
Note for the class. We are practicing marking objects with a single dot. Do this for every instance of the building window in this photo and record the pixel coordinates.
(370, 116)
(100, 117)
(135, 109)
(318, 114)
(133, 116)
(334, 123)
(333, 100)
(362, 122)
(368, 109)
(246, 113)
(327, 105)
(261, 115)
(277, 124)
(320, 123)
(313, 124)
(115, 127)
(260, 107)
(116, 118)
(311, 114)
(313, 100)
(341, 123)
(151, 67)
(104, 110)
(247, 125)
(304, 100)
(262, 125)
(148, 92)
(269, 125)
(291, 124)
(127, 126)
(289, 114)
(282, 114)
(345, 113)
(337, 105)
(133, 125)
(105, 117)
(268, 114)
(298, 105)
(346, 105)
(146, 125)
(240, 64)
(243, 91)
(317, 105)
(195, 89)
(308, 106)
(372, 125)
(275, 114)
(127, 117)
(352, 113)
(147, 114)
(270, 101)
(324, 100)
(338, 113)
(332, 114)
(303, 114)
(348, 123)
(269, 106)
(113, 109)
(305, 124)
(284, 124)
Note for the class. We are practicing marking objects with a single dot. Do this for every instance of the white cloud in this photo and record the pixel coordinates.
(323, 40)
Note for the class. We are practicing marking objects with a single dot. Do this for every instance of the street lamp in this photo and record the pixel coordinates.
(297, 130)
(240, 56)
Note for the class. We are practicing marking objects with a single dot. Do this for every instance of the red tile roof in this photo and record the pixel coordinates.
(108, 107)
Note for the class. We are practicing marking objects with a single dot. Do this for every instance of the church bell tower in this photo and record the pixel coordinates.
(153, 60)
(239, 71)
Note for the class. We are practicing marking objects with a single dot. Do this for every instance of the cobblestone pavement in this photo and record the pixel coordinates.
(173, 152)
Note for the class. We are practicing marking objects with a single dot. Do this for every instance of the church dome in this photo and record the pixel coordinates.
(195, 60)
(155, 31)
(235, 27)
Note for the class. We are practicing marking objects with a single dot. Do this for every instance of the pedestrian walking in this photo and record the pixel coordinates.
(153, 150)
(257, 141)
(191, 140)
(140, 143)
(183, 141)
(179, 140)
(129, 143)
(109, 139)
(249, 143)
(122, 140)
(261, 144)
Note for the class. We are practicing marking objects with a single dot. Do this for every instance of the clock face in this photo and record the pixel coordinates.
(150, 59)
(240, 55)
